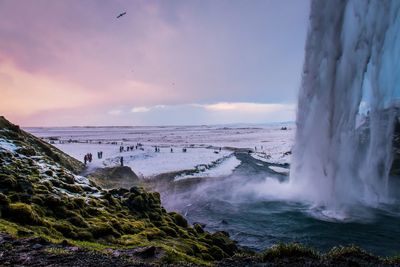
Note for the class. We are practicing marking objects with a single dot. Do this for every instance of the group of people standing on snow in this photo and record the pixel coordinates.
(88, 158)
(130, 148)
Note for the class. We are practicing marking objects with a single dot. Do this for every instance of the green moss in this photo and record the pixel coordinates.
(4, 200)
(84, 235)
(199, 229)
(78, 203)
(393, 260)
(77, 220)
(72, 188)
(153, 233)
(169, 231)
(41, 189)
(7, 181)
(22, 213)
(37, 199)
(14, 197)
(281, 251)
(52, 202)
(217, 253)
(57, 251)
(179, 220)
(65, 228)
(339, 252)
(103, 230)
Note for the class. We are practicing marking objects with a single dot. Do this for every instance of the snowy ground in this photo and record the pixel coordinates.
(203, 145)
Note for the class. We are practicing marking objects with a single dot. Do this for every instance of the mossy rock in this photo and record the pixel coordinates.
(78, 202)
(52, 202)
(41, 189)
(24, 185)
(77, 220)
(65, 228)
(27, 151)
(118, 191)
(22, 213)
(103, 230)
(169, 231)
(199, 229)
(4, 200)
(341, 255)
(217, 253)
(7, 182)
(37, 199)
(179, 219)
(153, 233)
(281, 251)
(92, 211)
(69, 179)
(14, 197)
(49, 173)
(136, 203)
(84, 235)
(25, 198)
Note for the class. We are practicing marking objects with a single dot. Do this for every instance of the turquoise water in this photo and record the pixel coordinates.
(257, 222)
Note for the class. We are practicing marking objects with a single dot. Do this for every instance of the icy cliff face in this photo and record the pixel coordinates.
(347, 102)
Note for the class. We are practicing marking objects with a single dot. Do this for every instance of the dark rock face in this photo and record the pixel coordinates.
(115, 177)
(395, 170)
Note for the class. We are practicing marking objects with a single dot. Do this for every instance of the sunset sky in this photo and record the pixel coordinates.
(187, 62)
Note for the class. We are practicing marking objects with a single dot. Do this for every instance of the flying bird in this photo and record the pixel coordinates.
(120, 15)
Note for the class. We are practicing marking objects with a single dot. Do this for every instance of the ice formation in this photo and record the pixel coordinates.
(347, 103)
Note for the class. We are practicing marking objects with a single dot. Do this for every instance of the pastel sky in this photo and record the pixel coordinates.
(72, 62)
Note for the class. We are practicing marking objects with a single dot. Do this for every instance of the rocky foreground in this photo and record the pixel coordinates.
(52, 216)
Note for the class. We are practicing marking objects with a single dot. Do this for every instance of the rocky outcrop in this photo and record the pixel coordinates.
(114, 177)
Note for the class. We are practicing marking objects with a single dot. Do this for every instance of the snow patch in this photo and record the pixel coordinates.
(279, 169)
(223, 168)
(7, 145)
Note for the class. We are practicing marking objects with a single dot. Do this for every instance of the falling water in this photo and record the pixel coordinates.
(347, 107)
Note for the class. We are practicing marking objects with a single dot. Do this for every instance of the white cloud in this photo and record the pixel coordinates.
(248, 107)
(140, 109)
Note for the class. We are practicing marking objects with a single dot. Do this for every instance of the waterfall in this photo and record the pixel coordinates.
(347, 103)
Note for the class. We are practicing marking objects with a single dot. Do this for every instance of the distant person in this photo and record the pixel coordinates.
(85, 159)
(122, 161)
(172, 150)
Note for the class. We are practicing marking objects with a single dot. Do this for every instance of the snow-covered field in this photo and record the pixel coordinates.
(209, 148)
